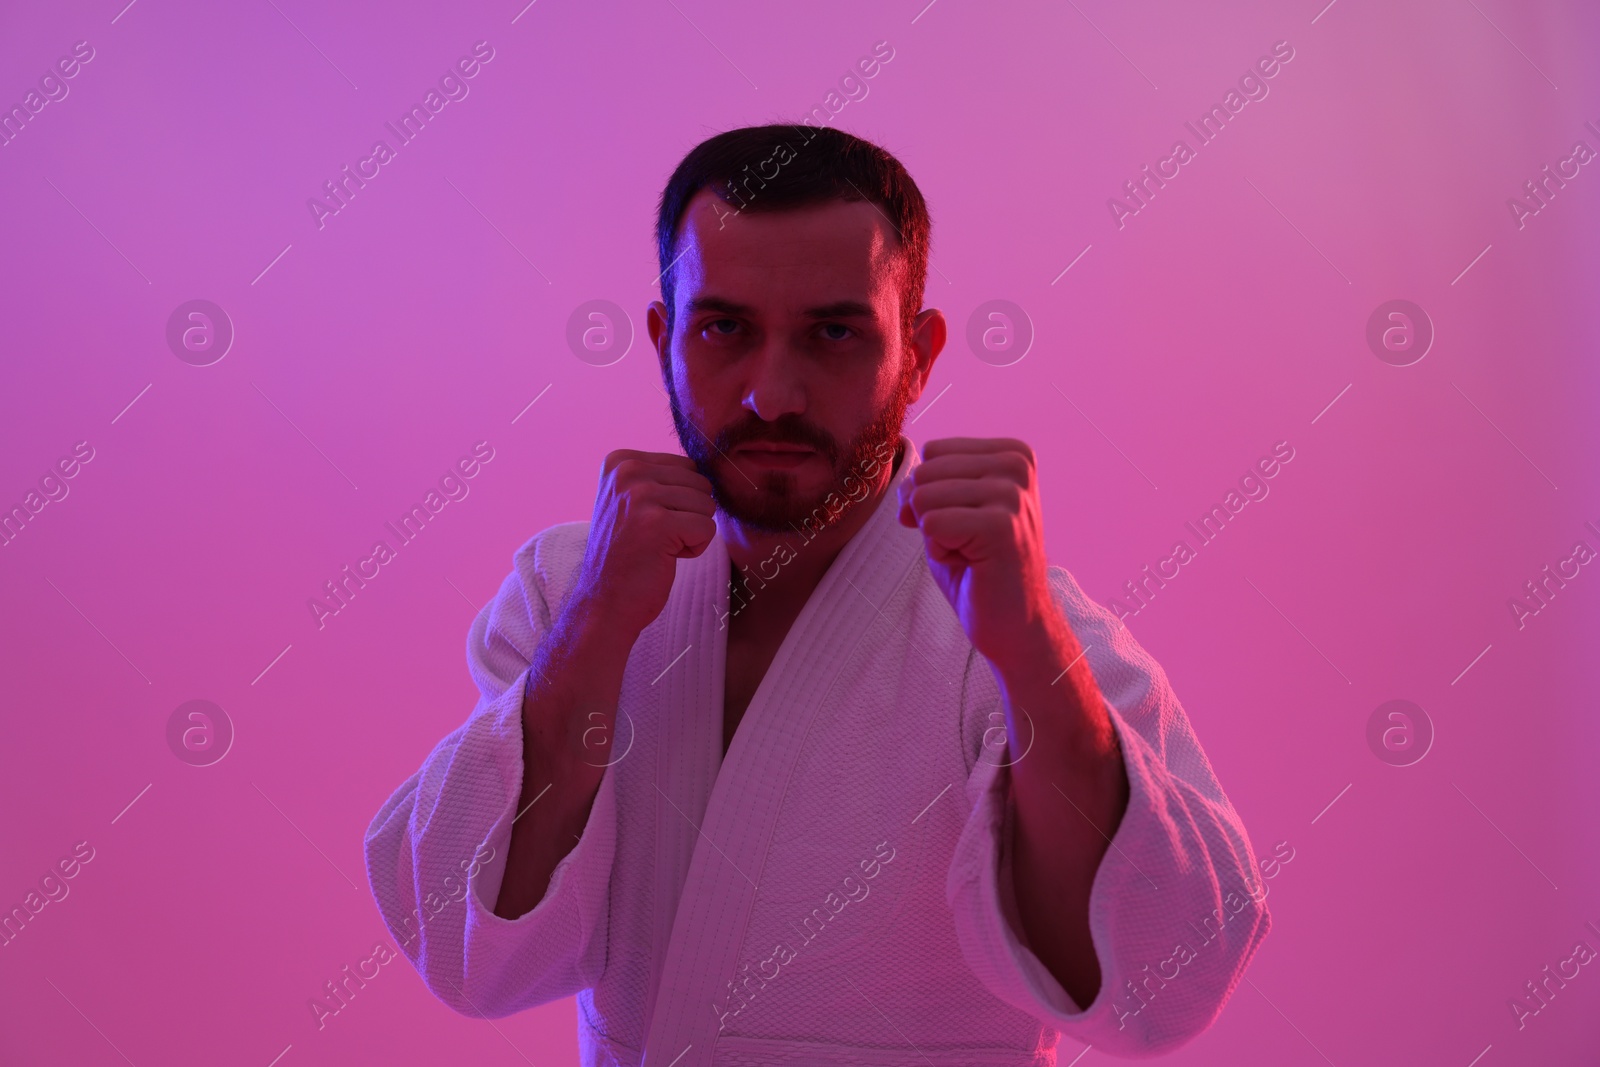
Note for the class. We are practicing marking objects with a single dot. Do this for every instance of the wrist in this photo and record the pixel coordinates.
(574, 681)
(593, 629)
(1042, 649)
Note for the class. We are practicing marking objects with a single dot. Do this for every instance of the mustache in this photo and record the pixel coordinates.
(786, 429)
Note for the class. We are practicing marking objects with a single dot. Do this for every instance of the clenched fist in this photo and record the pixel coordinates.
(976, 501)
(652, 509)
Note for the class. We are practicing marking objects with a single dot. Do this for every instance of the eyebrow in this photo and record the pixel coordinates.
(839, 309)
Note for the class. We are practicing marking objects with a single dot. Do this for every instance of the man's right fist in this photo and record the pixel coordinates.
(652, 509)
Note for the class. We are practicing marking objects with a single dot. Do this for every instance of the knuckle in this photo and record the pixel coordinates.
(632, 472)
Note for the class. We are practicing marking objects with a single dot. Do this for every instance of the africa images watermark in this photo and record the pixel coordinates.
(1187, 951)
(856, 486)
(53, 88)
(744, 986)
(454, 891)
(1253, 485)
(338, 992)
(452, 486)
(1541, 190)
(1543, 589)
(1252, 86)
(855, 89)
(1542, 990)
(53, 488)
(53, 888)
(452, 87)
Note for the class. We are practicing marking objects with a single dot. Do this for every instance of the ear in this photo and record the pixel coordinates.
(927, 341)
(655, 321)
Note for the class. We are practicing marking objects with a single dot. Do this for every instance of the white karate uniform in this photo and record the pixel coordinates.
(833, 891)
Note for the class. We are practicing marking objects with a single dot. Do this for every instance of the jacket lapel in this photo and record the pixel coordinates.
(689, 751)
(718, 826)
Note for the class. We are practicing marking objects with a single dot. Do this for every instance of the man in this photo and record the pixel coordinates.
(798, 751)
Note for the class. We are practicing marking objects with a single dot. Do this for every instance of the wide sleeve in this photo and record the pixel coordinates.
(436, 850)
(1177, 907)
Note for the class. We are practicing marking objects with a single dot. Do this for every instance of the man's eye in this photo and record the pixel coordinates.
(712, 325)
(837, 326)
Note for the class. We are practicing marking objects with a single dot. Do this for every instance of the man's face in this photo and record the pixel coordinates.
(786, 366)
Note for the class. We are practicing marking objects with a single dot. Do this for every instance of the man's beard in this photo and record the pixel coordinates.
(776, 506)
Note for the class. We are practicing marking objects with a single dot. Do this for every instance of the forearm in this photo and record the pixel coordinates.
(1069, 792)
(568, 718)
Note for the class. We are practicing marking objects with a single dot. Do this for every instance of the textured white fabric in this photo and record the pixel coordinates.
(833, 892)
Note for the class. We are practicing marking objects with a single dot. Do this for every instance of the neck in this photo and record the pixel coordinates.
(792, 562)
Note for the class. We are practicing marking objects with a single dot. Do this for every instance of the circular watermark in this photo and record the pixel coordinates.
(199, 332)
(997, 740)
(1399, 733)
(199, 732)
(999, 332)
(599, 332)
(1399, 332)
(593, 742)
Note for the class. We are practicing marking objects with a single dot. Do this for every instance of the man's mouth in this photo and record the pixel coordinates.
(775, 455)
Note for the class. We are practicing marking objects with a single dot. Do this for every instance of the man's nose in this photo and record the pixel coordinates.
(776, 384)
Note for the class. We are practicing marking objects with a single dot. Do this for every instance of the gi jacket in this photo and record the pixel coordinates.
(833, 891)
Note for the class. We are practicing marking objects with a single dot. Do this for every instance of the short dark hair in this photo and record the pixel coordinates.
(814, 165)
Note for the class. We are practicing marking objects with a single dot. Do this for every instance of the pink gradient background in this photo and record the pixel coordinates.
(408, 328)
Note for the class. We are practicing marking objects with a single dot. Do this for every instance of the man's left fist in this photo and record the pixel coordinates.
(976, 501)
